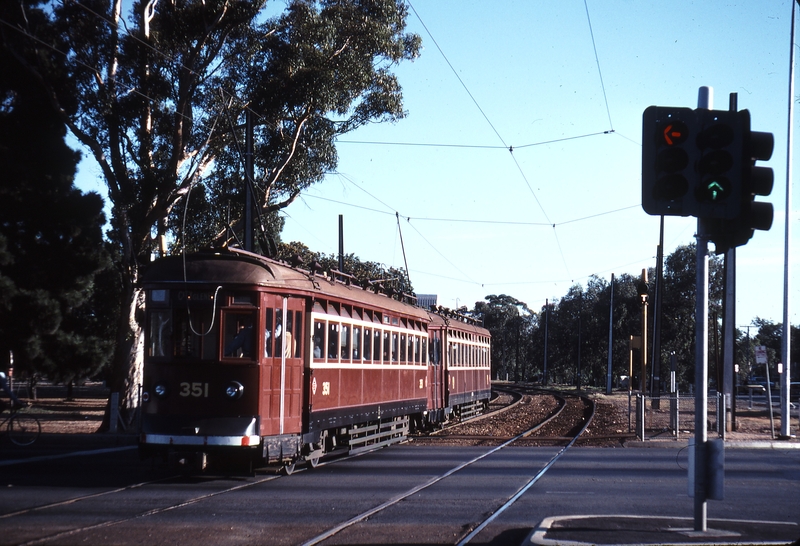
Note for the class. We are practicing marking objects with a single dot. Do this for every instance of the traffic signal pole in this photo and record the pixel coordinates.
(701, 380)
(702, 163)
(704, 100)
(786, 350)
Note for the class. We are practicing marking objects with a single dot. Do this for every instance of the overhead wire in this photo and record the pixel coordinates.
(499, 136)
(597, 60)
(470, 220)
(494, 129)
(441, 52)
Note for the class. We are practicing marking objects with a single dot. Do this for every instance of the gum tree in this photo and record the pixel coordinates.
(159, 102)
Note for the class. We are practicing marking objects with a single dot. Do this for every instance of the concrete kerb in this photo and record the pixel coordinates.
(583, 530)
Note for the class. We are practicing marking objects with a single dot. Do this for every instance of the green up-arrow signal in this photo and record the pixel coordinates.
(715, 190)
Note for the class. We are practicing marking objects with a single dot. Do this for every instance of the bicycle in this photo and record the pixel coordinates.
(23, 428)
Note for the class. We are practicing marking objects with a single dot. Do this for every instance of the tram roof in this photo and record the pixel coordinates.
(231, 266)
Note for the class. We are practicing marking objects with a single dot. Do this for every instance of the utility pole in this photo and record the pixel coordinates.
(786, 348)
(655, 388)
(247, 239)
(341, 243)
(610, 336)
(546, 320)
(642, 286)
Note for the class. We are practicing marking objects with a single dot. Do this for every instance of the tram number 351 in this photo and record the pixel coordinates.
(197, 390)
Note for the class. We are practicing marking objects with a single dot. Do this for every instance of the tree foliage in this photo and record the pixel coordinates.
(157, 95)
(51, 245)
(391, 281)
(571, 334)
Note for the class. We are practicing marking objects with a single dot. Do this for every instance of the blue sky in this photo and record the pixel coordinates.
(477, 218)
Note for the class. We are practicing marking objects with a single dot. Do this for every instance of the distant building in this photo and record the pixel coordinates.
(426, 300)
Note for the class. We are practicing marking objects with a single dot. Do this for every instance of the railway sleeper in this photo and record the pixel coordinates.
(375, 434)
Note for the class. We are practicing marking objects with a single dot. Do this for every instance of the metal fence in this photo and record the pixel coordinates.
(672, 416)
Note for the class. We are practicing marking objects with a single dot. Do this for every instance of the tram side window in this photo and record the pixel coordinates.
(394, 346)
(196, 334)
(356, 342)
(319, 339)
(387, 347)
(345, 342)
(289, 348)
(436, 349)
(333, 340)
(268, 332)
(239, 338)
(160, 334)
(376, 353)
(367, 344)
(402, 347)
(298, 333)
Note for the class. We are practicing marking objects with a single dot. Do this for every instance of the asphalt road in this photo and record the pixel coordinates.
(113, 498)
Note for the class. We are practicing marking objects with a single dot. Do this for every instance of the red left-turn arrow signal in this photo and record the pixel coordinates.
(674, 133)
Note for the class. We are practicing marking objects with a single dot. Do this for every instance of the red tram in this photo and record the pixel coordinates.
(246, 356)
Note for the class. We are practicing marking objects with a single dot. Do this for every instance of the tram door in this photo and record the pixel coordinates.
(282, 365)
(436, 371)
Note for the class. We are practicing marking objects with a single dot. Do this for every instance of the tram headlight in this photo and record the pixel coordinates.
(160, 390)
(234, 390)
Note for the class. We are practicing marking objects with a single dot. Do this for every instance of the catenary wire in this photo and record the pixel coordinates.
(597, 60)
(441, 52)
(510, 148)
(470, 220)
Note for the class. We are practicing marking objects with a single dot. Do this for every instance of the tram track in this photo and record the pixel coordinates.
(574, 412)
(505, 400)
(119, 495)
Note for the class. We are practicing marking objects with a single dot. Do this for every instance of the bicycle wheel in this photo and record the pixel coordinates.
(23, 429)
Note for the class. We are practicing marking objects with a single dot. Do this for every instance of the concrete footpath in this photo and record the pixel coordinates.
(621, 529)
(584, 530)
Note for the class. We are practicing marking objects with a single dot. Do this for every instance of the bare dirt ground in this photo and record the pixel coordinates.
(83, 414)
(751, 424)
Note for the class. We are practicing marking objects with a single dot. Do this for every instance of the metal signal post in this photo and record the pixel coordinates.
(702, 163)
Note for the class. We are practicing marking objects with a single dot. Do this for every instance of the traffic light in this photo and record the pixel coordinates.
(691, 162)
(752, 215)
(718, 186)
(668, 158)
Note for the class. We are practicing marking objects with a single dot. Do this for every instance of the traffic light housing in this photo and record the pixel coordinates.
(757, 146)
(668, 158)
(718, 187)
(702, 163)
(691, 162)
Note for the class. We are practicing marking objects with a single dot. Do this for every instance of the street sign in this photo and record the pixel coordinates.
(761, 354)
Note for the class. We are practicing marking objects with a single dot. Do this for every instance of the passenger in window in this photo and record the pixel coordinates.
(288, 350)
(268, 333)
(290, 345)
(241, 343)
(267, 343)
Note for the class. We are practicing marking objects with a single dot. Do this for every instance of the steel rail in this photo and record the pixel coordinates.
(498, 411)
(398, 498)
(521, 491)
(147, 513)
